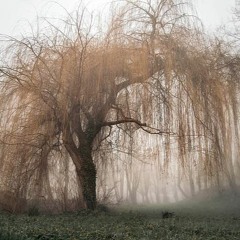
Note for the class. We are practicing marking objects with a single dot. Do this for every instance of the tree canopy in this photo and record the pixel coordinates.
(73, 90)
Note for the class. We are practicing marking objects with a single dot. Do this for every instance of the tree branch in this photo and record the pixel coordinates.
(126, 120)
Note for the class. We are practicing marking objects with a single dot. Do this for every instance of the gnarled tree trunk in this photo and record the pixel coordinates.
(85, 170)
(87, 177)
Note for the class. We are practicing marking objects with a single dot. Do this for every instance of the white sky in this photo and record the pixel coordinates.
(14, 14)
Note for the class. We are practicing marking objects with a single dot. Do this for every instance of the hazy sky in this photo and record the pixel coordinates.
(14, 14)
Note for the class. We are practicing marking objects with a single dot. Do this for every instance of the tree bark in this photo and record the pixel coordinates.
(85, 170)
(87, 178)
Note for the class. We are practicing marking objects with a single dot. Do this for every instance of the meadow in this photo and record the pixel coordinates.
(210, 219)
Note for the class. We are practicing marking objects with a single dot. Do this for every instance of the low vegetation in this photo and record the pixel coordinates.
(212, 219)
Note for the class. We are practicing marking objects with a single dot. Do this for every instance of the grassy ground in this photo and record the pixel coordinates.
(218, 219)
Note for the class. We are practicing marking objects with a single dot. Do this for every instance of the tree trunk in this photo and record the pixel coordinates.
(86, 173)
(66, 182)
(87, 178)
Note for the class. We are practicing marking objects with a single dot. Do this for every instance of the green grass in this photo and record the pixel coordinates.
(215, 219)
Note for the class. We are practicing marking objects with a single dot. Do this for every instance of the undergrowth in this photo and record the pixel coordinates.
(132, 222)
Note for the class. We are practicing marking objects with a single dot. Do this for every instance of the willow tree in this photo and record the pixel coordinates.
(65, 87)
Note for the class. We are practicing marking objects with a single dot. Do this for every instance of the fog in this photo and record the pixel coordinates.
(16, 15)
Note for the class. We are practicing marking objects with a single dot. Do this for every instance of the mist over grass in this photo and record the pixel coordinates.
(225, 204)
(212, 218)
